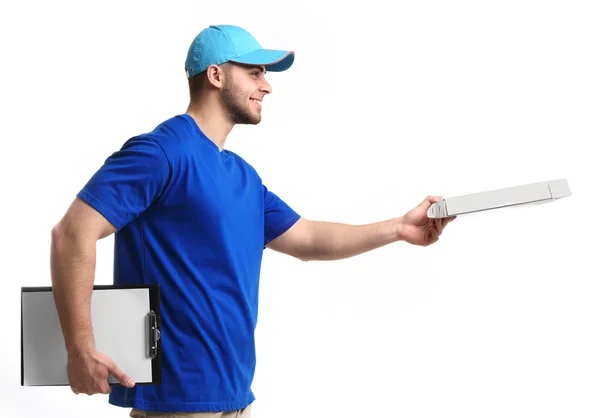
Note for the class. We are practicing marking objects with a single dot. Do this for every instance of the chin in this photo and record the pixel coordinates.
(248, 117)
(254, 119)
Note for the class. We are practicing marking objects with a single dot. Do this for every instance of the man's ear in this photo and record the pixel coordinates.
(215, 76)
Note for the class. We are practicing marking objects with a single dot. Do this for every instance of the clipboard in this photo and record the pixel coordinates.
(541, 192)
(126, 326)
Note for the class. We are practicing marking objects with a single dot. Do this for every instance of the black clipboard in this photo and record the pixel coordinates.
(126, 323)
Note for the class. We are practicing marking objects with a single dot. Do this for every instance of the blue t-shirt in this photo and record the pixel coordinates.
(195, 220)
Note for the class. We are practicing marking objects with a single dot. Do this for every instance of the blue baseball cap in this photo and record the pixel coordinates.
(218, 44)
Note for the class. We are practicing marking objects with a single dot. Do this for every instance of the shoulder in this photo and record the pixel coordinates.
(172, 136)
(242, 162)
(176, 127)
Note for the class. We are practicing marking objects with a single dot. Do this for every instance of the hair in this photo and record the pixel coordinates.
(199, 83)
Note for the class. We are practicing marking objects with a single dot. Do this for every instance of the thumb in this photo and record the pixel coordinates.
(430, 200)
(120, 375)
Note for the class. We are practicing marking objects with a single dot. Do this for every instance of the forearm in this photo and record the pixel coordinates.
(335, 241)
(72, 264)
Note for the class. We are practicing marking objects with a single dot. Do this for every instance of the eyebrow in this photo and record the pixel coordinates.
(257, 67)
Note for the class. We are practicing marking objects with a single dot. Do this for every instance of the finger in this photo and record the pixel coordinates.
(447, 220)
(433, 236)
(430, 200)
(120, 375)
(433, 199)
(105, 387)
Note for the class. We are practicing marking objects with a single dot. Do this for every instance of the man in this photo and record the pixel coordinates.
(195, 218)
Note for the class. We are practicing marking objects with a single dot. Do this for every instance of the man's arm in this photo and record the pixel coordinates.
(73, 265)
(317, 240)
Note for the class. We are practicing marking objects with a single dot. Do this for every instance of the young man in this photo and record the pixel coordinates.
(195, 218)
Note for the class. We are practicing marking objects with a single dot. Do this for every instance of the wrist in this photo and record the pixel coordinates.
(398, 226)
(81, 348)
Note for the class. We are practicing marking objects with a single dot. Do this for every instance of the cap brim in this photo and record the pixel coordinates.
(273, 60)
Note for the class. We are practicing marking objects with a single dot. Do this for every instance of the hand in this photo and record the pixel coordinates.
(417, 229)
(88, 373)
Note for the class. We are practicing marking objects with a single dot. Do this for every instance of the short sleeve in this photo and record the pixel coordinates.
(279, 216)
(128, 182)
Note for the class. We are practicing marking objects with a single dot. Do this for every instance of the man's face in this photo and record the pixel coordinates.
(243, 92)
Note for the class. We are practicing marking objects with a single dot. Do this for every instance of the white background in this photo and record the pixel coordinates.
(385, 104)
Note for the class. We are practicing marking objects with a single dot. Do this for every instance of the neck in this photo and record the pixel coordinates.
(212, 121)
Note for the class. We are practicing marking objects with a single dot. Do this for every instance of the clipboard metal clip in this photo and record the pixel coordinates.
(153, 335)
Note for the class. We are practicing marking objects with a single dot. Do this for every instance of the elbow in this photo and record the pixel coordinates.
(56, 235)
(63, 243)
(302, 255)
(56, 232)
(299, 255)
(305, 253)
(310, 255)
